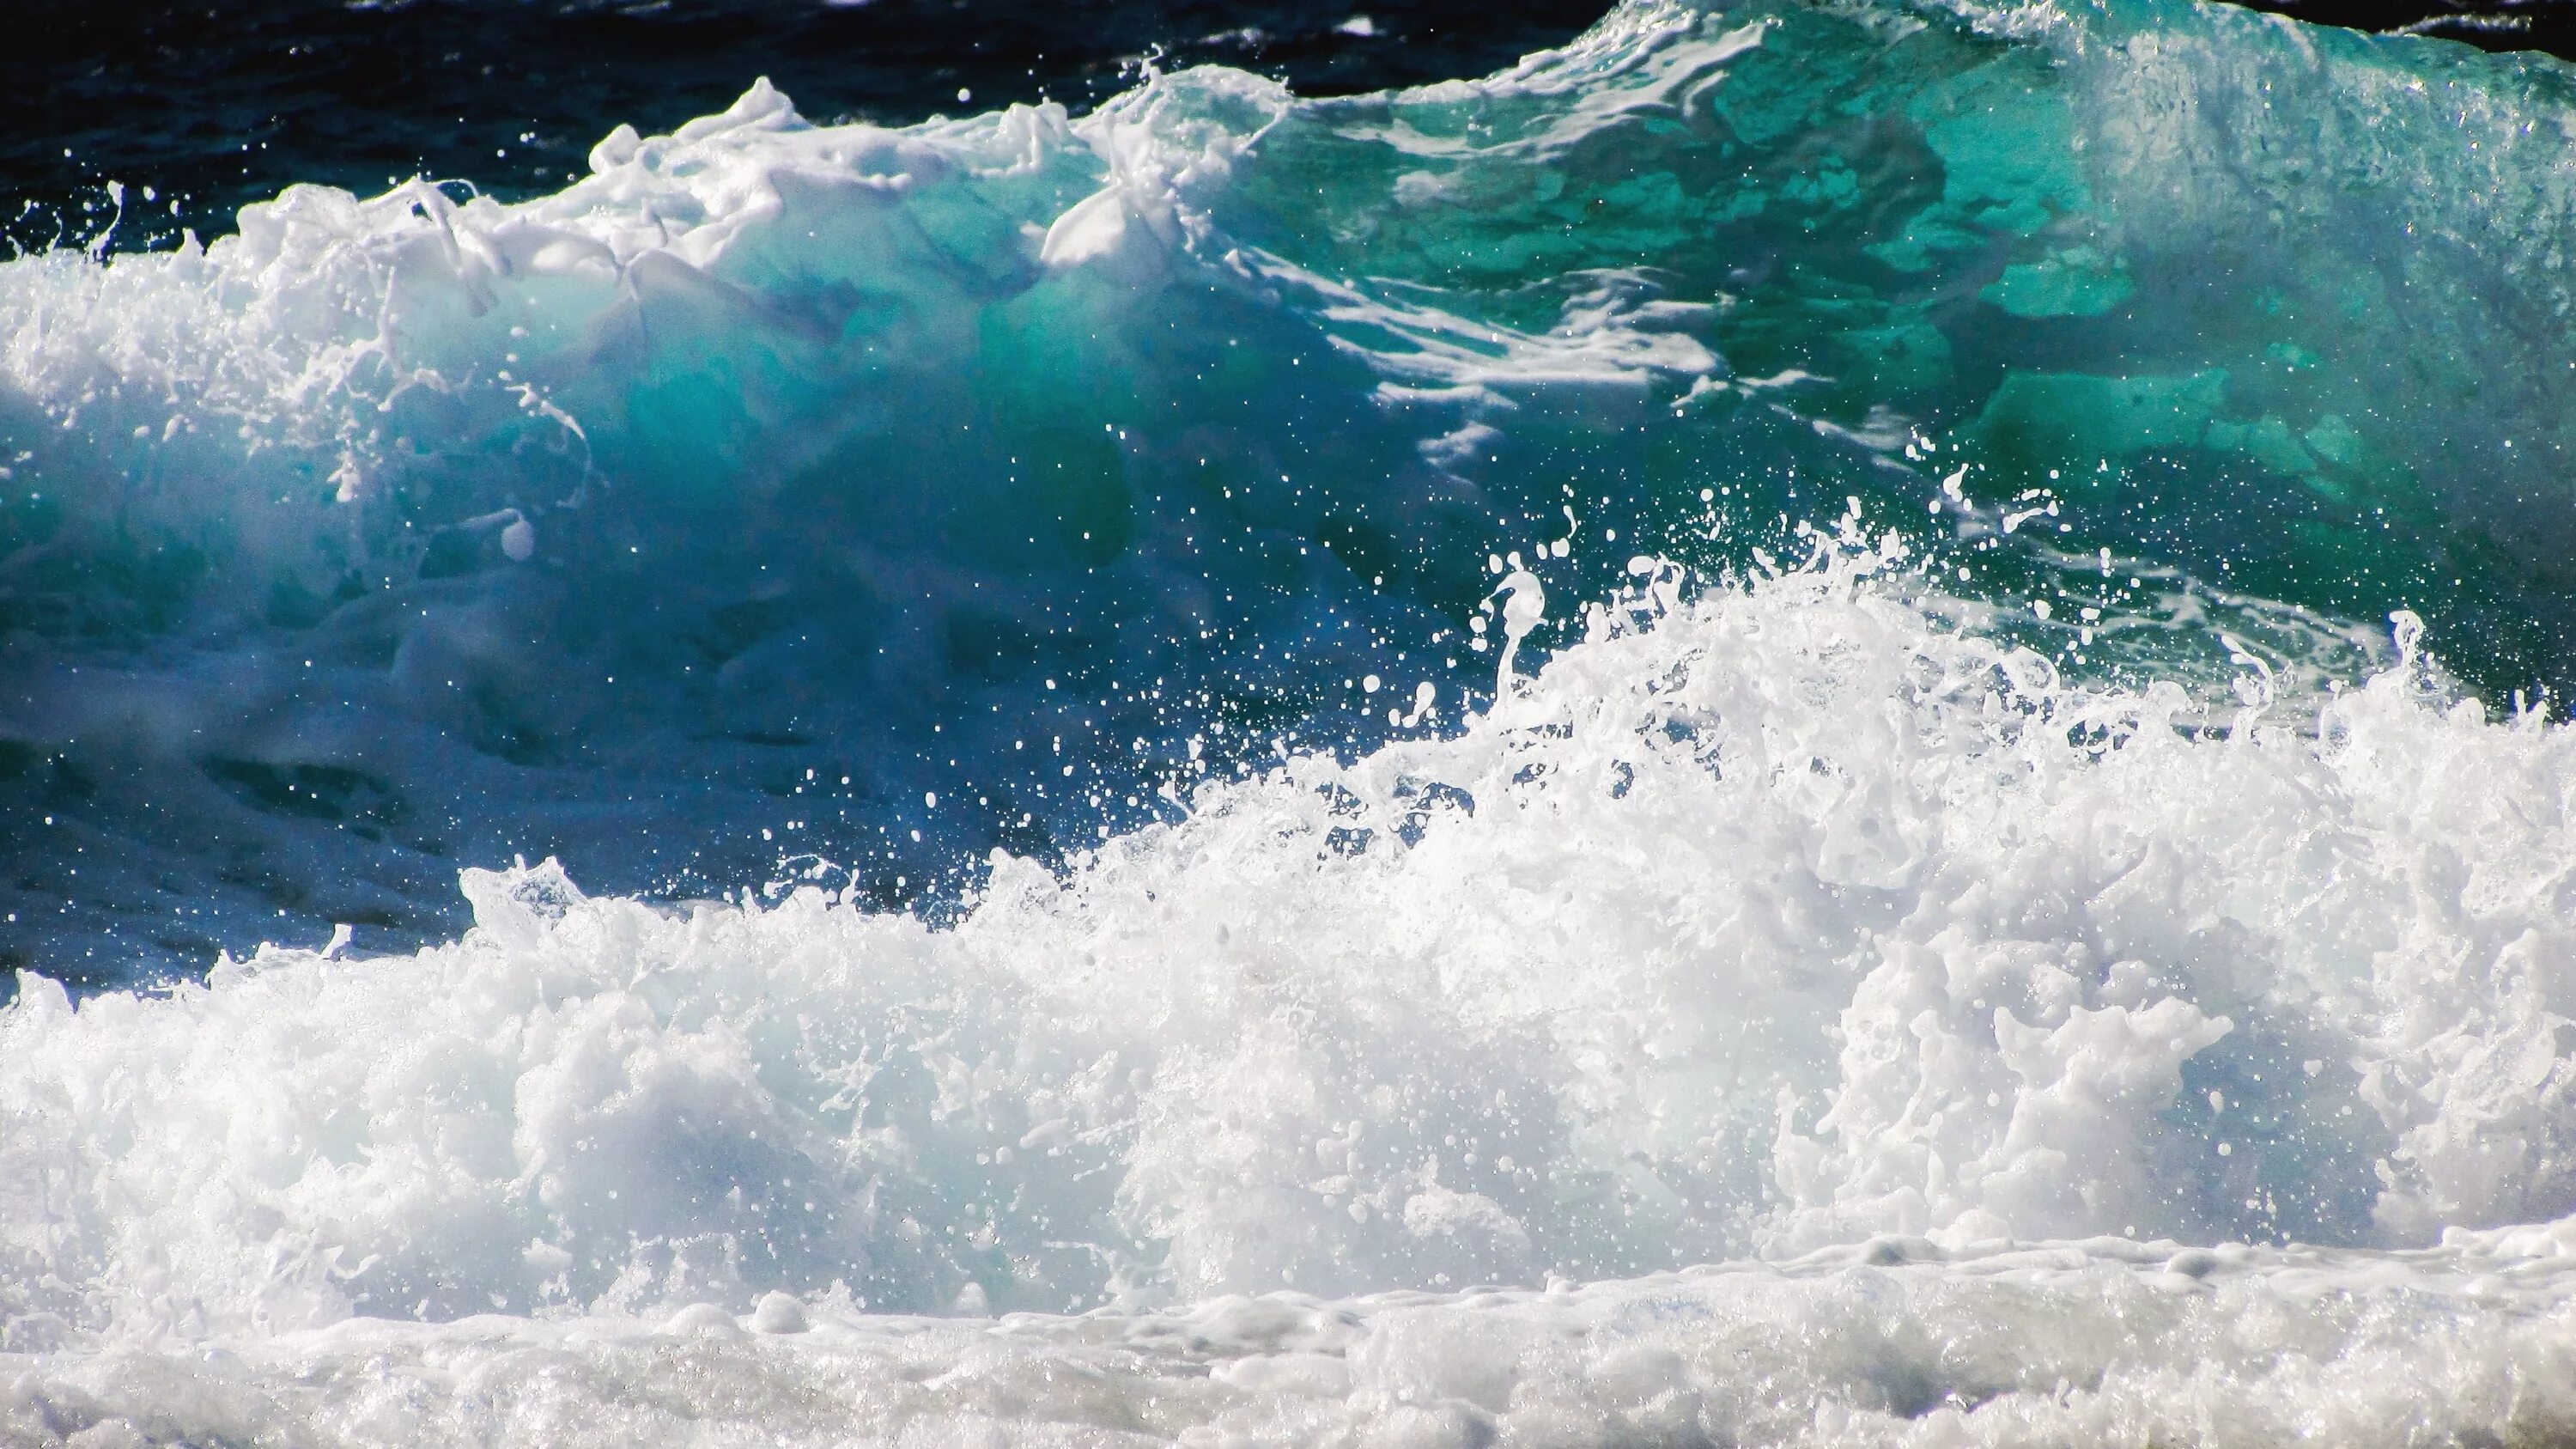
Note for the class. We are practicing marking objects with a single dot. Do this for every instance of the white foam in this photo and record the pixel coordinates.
(1790, 920)
(2094, 1343)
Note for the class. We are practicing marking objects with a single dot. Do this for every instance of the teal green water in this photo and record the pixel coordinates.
(2284, 307)
(739, 501)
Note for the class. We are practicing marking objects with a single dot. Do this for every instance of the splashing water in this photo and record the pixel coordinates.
(1760, 921)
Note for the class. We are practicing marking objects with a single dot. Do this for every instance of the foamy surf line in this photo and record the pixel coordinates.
(1935, 999)
(2105, 1342)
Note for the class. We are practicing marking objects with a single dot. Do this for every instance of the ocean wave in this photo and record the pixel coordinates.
(775, 480)
(1786, 921)
(1111, 901)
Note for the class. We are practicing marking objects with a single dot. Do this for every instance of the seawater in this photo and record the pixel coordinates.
(1808, 724)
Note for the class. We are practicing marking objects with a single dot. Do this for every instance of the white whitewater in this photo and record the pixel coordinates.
(1937, 1002)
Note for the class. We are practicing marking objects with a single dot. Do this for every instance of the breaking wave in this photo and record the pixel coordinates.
(1698, 744)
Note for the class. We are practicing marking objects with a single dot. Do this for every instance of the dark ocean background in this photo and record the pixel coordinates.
(215, 105)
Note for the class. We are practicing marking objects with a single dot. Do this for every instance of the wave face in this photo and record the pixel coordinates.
(1757, 642)
(731, 504)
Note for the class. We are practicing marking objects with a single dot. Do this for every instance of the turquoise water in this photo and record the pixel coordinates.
(2268, 303)
(829, 472)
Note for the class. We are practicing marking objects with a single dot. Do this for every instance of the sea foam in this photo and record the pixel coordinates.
(1769, 917)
